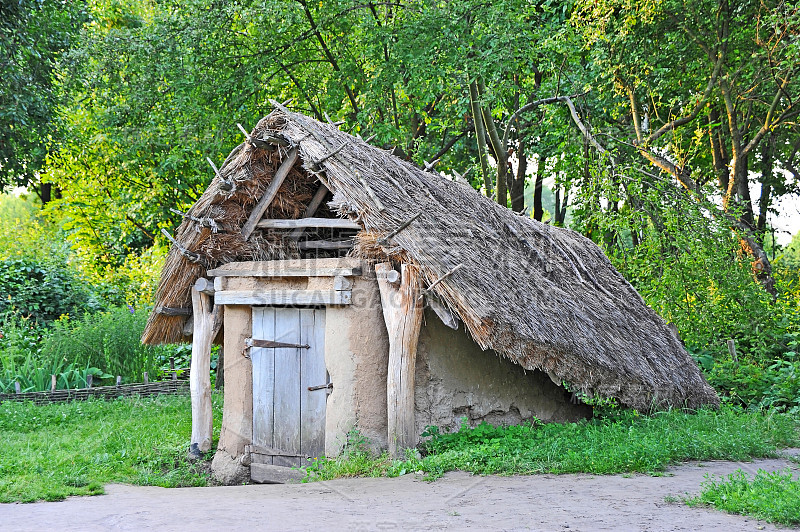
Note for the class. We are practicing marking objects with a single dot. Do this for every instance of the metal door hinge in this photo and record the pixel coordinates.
(271, 344)
(328, 386)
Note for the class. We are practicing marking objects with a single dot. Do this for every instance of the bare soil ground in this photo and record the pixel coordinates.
(456, 502)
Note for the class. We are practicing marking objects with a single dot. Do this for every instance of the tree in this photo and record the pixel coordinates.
(703, 89)
(33, 36)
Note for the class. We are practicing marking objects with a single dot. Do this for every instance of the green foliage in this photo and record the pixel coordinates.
(774, 496)
(51, 452)
(357, 459)
(774, 385)
(108, 340)
(790, 257)
(104, 344)
(22, 361)
(33, 35)
(42, 291)
(626, 443)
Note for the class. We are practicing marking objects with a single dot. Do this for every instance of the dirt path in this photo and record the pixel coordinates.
(456, 502)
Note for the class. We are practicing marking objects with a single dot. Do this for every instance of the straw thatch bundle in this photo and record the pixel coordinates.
(545, 297)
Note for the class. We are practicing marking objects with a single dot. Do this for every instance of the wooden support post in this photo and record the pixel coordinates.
(17, 387)
(313, 205)
(53, 382)
(89, 380)
(119, 380)
(146, 378)
(402, 312)
(207, 319)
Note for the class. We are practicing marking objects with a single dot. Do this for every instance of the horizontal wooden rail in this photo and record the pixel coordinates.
(332, 223)
(283, 297)
(242, 269)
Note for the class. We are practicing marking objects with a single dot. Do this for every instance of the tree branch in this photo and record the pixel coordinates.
(328, 54)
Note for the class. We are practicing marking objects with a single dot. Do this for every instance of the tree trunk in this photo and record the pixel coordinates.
(518, 185)
(560, 207)
(767, 166)
(500, 154)
(718, 153)
(480, 134)
(45, 193)
(538, 209)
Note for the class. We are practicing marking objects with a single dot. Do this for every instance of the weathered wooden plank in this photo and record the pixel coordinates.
(283, 297)
(272, 190)
(262, 270)
(325, 244)
(287, 387)
(313, 373)
(173, 311)
(263, 379)
(402, 312)
(332, 223)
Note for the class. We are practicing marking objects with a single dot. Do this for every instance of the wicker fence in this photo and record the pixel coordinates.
(107, 392)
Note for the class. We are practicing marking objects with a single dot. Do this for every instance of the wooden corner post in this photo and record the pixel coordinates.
(402, 312)
(207, 321)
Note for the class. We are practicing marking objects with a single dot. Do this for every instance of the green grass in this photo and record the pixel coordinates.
(54, 451)
(774, 497)
(627, 443)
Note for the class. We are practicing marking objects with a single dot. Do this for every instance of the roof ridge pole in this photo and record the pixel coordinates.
(402, 312)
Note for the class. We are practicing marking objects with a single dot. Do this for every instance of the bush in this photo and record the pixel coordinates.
(42, 291)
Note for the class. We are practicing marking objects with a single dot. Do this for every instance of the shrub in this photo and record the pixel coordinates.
(42, 291)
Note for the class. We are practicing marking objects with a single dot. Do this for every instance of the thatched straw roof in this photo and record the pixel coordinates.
(545, 297)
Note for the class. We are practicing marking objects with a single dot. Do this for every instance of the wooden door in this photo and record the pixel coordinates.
(288, 418)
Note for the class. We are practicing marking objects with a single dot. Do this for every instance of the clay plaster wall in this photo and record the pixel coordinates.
(237, 419)
(455, 379)
(357, 356)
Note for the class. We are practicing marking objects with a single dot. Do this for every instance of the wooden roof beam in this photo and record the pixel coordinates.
(270, 193)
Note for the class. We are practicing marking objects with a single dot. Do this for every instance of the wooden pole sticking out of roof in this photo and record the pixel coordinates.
(402, 312)
(270, 193)
(385, 240)
(224, 185)
(313, 205)
(191, 255)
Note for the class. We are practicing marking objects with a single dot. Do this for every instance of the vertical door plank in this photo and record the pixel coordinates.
(313, 373)
(287, 389)
(263, 380)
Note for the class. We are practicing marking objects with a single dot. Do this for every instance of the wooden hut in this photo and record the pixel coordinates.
(355, 291)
